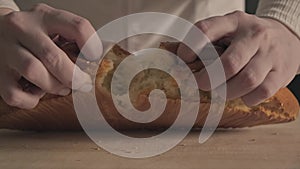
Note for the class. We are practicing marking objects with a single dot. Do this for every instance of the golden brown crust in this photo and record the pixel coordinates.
(288, 102)
(51, 114)
(282, 107)
(57, 113)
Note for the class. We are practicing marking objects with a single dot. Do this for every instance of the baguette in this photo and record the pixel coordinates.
(57, 113)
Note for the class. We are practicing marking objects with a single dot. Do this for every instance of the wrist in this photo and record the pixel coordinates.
(5, 11)
(278, 24)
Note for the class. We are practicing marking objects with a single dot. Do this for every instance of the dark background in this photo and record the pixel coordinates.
(251, 6)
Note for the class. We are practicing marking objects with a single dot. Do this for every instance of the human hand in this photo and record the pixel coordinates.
(29, 52)
(263, 55)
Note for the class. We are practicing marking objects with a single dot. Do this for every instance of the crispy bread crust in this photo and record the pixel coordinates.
(283, 107)
(57, 113)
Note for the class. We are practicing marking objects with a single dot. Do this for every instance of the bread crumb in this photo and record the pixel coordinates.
(97, 148)
(252, 140)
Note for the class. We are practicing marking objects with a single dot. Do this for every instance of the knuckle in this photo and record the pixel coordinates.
(250, 79)
(12, 17)
(265, 92)
(239, 13)
(50, 57)
(29, 68)
(14, 21)
(259, 28)
(81, 24)
(42, 8)
(203, 26)
(232, 66)
(260, 32)
(11, 98)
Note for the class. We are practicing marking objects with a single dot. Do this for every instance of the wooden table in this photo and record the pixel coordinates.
(266, 147)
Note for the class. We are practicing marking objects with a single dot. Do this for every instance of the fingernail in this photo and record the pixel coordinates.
(64, 92)
(81, 80)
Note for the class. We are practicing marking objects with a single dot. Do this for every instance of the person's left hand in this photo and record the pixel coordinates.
(262, 57)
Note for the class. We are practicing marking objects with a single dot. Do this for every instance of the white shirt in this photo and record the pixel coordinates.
(101, 12)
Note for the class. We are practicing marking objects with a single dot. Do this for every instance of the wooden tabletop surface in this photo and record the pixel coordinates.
(266, 147)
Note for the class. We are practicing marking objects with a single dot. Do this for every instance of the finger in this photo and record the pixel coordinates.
(214, 28)
(218, 27)
(196, 66)
(236, 56)
(72, 51)
(186, 53)
(13, 95)
(55, 60)
(72, 27)
(252, 75)
(35, 72)
(267, 89)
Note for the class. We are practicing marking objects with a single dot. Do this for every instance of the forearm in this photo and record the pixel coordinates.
(285, 11)
(7, 6)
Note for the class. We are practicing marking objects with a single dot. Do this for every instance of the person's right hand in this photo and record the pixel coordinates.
(28, 52)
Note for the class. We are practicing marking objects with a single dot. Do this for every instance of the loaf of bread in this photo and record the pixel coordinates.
(57, 113)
